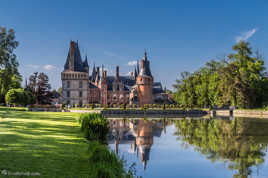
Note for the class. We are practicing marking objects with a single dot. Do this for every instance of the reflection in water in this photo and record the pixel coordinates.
(138, 133)
(241, 143)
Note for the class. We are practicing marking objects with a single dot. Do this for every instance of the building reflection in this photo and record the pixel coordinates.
(139, 134)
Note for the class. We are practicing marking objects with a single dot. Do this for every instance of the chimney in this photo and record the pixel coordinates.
(105, 74)
(117, 73)
(142, 64)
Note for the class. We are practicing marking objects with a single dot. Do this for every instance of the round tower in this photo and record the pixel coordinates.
(145, 82)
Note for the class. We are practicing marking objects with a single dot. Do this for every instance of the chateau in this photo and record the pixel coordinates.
(79, 87)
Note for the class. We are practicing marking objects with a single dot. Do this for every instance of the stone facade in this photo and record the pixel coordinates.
(78, 87)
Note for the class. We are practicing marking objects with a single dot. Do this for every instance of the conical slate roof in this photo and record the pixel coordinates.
(145, 70)
(74, 61)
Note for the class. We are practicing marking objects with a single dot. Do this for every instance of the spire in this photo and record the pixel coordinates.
(138, 67)
(145, 55)
(97, 75)
(135, 73)
(145, 66)
(74, 61)
(93, 75)
(85, 65)
(86, 62)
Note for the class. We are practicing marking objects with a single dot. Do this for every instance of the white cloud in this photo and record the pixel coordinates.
(49, 67)
(246, 35)
(111, 54)
(132, 63)
(33, 66)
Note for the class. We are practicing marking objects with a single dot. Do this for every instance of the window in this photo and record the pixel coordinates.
(68, 84)
(68, 94)
(80, 94)
(117, 87)
(80, 84)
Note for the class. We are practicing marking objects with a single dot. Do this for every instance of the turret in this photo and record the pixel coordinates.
(145, 82)
(85, 65)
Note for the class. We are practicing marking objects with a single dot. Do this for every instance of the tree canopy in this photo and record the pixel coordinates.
(240, 79)
(9, 75)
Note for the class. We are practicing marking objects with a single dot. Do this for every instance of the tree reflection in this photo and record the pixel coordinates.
(241, 143)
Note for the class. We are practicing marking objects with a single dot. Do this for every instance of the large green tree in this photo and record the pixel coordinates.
(40, 87)
(239, 80)
(9, 75)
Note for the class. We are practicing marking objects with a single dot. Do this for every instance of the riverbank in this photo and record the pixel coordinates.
(250, 113)
(50, 144)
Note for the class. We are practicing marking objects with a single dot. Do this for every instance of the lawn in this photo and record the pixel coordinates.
(44, 142)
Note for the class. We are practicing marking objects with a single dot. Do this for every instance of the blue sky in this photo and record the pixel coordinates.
(178, 35)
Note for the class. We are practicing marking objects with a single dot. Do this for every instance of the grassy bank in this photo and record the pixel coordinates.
(48, 143)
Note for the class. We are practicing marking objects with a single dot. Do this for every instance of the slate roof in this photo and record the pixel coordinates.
(157, 88)
(128, 82)
(74, 60)
(146, 67)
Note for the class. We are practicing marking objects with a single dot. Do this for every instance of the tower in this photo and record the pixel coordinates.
(75, 77)
(145, 82)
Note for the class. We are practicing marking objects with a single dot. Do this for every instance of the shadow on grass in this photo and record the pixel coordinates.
(54, 148)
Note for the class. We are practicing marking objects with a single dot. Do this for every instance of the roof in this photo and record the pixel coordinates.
(91, 85)
(146, 67)
(74, 60)
(128, 82)
(157, 88)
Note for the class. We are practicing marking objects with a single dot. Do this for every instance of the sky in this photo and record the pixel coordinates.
(178, 35)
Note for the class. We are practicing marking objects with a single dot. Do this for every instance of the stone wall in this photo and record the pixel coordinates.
(243, 113)
(158, 113)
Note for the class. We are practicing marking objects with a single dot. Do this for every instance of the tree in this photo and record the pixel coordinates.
(9, 75)
(19, 97)
(240, 80)
(40, 88)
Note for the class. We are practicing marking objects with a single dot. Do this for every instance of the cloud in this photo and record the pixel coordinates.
(49, 67)
(33, 66)
(114, 55)
(111, 54)
(246, 35)
(132, 63)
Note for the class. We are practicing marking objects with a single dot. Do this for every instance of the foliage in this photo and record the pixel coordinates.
(106, 162)
(239, 80)
(94, 126)
(40, 87)
(19, 97)
(9, 75)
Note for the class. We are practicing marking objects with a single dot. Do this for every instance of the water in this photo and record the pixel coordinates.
(192, 147)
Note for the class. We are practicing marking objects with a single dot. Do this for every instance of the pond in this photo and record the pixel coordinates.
(192, 147)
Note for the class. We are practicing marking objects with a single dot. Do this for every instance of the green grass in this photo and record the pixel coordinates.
(45, 142)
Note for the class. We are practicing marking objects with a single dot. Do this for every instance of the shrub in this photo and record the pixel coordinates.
(145, 107)
(19, 97)
(107, 163)
(94, 126)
